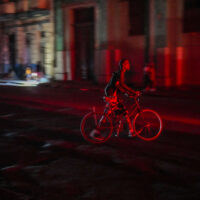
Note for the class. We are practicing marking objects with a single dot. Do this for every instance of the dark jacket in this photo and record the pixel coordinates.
(112, 85)
(117, 84)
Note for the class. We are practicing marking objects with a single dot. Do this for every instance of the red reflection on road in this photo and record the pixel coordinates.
(167, 67)
(179, 66)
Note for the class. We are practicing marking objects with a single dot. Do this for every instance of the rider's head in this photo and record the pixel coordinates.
(124, 64)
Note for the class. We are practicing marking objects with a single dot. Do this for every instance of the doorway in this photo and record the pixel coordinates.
(12, 53)
(84, 43)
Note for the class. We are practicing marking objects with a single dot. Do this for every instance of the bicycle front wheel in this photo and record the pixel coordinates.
(96, 128)
(147, 125)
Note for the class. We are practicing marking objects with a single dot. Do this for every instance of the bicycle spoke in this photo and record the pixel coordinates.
(104, 127)
(139, 131)
(149, 131)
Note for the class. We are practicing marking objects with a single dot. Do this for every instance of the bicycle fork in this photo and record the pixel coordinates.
(101, 120)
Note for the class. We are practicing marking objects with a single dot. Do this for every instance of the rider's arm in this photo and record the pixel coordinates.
(123, 87)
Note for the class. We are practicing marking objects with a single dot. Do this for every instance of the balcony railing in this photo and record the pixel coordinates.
(23, 6)
(7, 8)
(23, 9)
(39, 4)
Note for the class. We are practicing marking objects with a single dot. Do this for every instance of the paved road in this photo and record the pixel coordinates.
(43, 156)
(179, 112)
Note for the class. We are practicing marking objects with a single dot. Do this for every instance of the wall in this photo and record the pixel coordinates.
(112, 40)
(191, 61)
(174, 53)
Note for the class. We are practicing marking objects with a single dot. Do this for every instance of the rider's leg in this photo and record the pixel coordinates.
(117, 128)
(131, 132)
(125, 113)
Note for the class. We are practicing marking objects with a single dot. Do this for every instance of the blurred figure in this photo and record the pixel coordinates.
(40, 70)
(149, 77)
(28, 72)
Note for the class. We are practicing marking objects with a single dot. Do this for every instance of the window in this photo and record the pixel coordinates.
(137, 15)
(191, 16)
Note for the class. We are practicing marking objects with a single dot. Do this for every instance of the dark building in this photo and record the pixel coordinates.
(92, 35)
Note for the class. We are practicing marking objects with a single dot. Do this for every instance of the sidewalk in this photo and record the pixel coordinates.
(22, 83)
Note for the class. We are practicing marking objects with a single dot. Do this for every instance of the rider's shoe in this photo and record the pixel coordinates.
(116, 133)
(131, 133)
(96, 135)
(117, 129)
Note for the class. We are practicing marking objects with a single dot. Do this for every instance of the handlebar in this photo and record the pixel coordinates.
(113, 98)
(136, 95)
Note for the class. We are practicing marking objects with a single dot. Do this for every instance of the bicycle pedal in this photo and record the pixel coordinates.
(116, 134)
(131, 134)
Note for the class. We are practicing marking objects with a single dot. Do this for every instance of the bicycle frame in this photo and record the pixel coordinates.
(135, 108)
(136, 117)
(110, 108)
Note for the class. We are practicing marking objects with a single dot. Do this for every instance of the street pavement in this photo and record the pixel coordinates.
(179, 109)
(44, 157)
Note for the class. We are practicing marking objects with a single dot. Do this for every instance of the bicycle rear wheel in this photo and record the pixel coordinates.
(96, 128)
(147, 125)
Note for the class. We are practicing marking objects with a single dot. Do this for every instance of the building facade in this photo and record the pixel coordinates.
(92, 35)
(85, 39)
(27, 35)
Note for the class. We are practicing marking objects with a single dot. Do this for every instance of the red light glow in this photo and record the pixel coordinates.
(167, 67)
(179, 66)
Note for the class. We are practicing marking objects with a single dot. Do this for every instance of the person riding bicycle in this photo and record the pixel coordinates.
(97, 127)
(115, 87)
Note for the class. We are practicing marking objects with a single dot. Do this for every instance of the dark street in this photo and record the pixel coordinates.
(65, 62)
(43, 155)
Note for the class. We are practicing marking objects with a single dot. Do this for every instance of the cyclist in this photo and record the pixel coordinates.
(115, 87)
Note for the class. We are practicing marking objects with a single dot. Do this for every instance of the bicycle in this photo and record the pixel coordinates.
(146, 123)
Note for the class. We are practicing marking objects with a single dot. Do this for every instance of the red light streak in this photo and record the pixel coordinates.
(179, 66)
(72, 61)
(167, 67)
